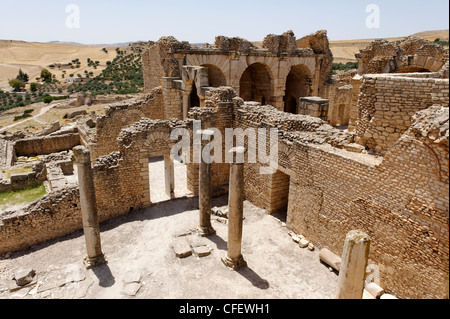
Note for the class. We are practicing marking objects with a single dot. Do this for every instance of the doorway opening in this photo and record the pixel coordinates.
(279, 198)
(194, 100)
(167, 178)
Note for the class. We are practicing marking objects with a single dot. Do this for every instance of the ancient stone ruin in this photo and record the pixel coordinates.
(367, 150)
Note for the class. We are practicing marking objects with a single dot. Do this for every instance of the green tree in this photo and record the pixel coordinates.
(46, 75)
(16, 84)
(33, 86)
(47, 99)
(22, 76)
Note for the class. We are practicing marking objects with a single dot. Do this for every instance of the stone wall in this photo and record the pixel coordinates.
(387, 104)
(401, 201)
(229, 60)
(55, 215)
(411, 55)
(122, 178)
(46, 145)
(26, 180)
(103, 139)
(314, 106)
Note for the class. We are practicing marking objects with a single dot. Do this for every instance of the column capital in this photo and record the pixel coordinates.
(82, 155)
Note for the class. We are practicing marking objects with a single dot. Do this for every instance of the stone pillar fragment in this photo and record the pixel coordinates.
(352, 271)
(205, 228)
(185, 105)
(234, 259)
(169, 174)
(89, 212)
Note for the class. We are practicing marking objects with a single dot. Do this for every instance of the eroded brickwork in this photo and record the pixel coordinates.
(388, 103)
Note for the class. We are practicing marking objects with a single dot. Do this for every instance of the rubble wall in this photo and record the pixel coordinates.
(387, 104)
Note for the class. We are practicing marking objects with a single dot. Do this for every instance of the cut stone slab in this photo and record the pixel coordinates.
(222, 220)
(202, 251)
(131, 289)
(368, 295)
(132, 277)
(375, 290)
(24, 276)
(182, 248)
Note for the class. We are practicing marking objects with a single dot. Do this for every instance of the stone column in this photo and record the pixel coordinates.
(234, 259)
(169, 174)
(205, 228)
(89, 212)
(353, 267)
(185, 105)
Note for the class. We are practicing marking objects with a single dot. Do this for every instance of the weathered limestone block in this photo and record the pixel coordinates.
(355, 258)
(314, 106)
(281, 43)
(331, 259)
(182, 248)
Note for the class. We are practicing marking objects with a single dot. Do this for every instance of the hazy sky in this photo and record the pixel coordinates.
(113, 21)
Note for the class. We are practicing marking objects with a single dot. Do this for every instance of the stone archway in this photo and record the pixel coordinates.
(256, 84)
(215, 76)
(298, 84)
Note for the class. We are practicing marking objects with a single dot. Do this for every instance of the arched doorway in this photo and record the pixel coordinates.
(256, 84)
(298, 84)
(215, 76)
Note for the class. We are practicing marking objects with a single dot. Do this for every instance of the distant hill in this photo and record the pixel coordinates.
(32, 57)
(115, 45)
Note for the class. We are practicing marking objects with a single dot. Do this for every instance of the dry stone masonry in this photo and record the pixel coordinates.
(386, 174)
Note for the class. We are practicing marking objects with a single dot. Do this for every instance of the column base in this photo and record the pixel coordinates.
(205, 231)
(94, 262)
(234, 264)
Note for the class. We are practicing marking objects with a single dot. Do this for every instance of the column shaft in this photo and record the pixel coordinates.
(352, 272)
(234, 259)
(169, 174)
(205, 186)
(89, 212)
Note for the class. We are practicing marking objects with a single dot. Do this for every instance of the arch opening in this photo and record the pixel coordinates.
(215, 75)
(298, 84)
(256, 84)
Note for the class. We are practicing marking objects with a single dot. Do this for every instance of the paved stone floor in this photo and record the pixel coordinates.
(142, 263)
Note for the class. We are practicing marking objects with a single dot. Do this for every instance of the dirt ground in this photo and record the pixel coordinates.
(142, 263)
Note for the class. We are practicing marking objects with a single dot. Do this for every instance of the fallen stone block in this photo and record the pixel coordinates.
(131, 289)
(71, 115)
(182, 248)
(303, 243)
(368, 295)
(375, 290)
(202, 251)
(329, 258)
(24, 276)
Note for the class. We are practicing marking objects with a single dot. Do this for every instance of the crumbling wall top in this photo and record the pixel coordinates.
(285, 42)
